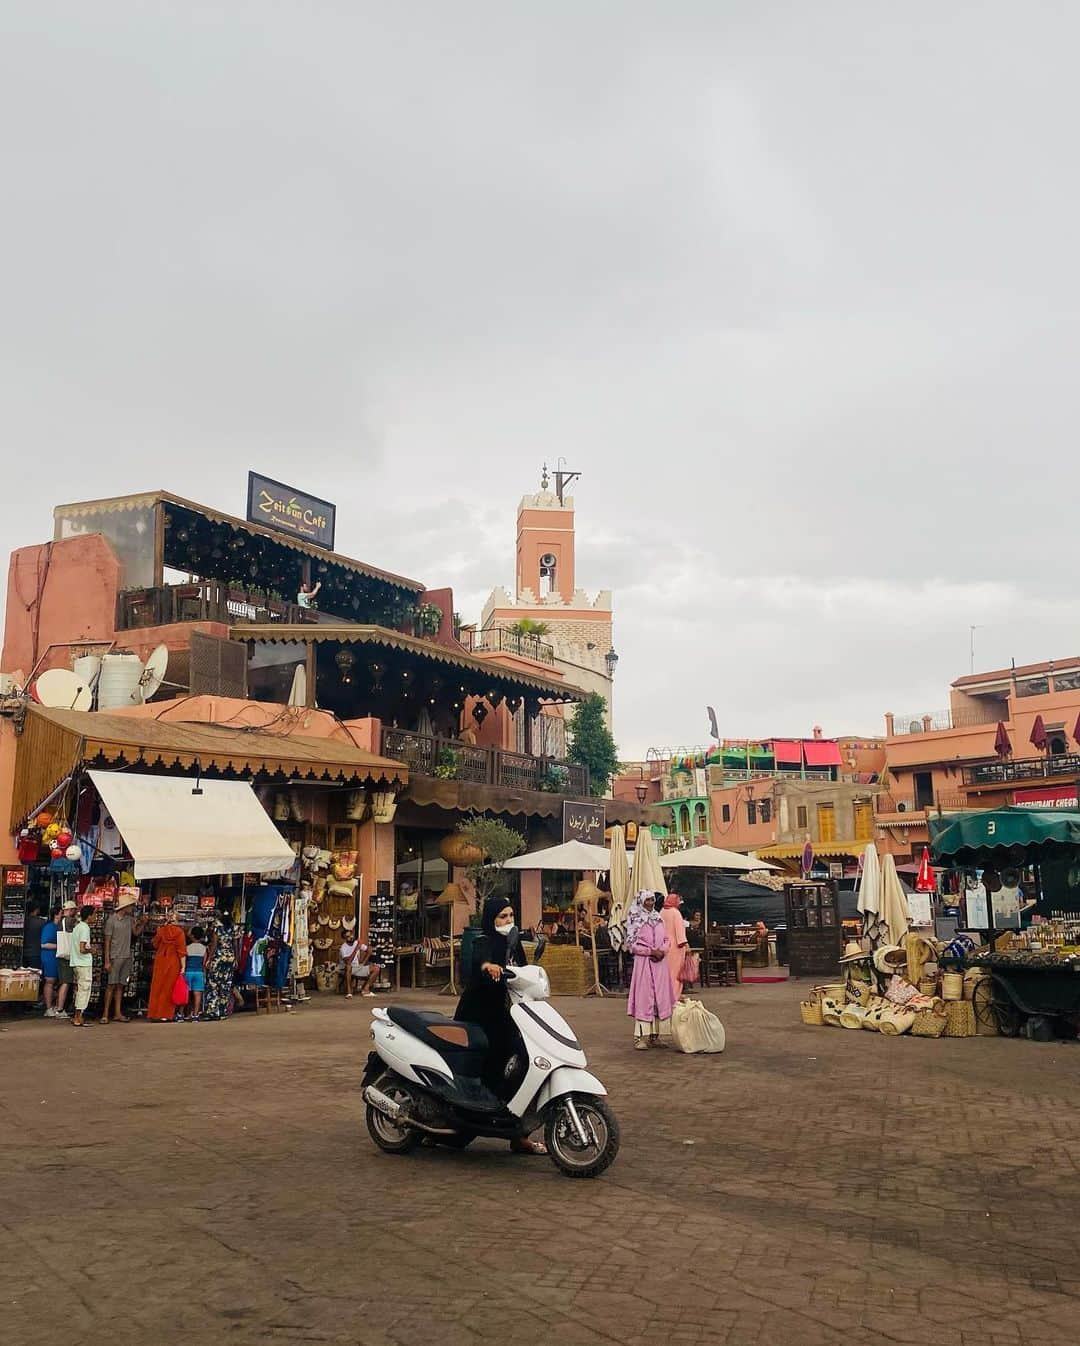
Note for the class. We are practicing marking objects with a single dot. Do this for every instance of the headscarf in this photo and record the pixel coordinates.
(673, 900)
(638, 916)
(499, 949)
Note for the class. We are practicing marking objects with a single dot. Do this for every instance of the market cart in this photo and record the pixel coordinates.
(1023, 988)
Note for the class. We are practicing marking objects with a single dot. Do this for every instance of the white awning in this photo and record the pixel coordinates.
(172, 833)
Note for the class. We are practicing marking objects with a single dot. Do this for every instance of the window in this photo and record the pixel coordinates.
(801, 821)
(725, 812)
(751, 811)
(826, 822)
(701, 821)
(924, 789)
(766, 810)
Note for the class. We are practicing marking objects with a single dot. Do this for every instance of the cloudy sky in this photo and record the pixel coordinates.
(794, 286)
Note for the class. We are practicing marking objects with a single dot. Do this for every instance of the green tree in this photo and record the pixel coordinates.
(592, 745)
(498, 843)
(525, 626)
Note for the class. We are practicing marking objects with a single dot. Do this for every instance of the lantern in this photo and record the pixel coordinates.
(383, 806)
(458, 850)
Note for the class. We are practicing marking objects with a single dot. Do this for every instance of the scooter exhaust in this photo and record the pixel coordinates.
(397, 1113)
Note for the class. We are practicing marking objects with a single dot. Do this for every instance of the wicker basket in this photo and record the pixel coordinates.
(952, 986)
(960, 1019)
(566, 969)
(858, 993)
(928, 1024)
(811, 1013)
(928, 986)
(972, 977)
(832, 991)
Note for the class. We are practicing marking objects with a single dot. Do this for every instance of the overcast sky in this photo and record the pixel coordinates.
(793, 285)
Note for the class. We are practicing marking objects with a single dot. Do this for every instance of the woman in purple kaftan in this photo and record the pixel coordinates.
(651, 997)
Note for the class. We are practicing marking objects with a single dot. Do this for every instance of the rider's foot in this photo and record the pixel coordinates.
(525, 1146)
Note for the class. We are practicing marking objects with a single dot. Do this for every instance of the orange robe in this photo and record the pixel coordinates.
(170, 943)
(675, 926)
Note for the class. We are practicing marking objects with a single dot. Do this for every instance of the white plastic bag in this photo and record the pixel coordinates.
(694, 1029)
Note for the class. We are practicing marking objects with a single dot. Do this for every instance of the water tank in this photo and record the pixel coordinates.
(119, 681)
(87, 668)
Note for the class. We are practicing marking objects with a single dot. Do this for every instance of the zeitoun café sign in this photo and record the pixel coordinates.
(275, 505)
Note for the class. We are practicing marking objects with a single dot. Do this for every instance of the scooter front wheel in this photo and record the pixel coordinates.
(585, 1150)
(387, 1134)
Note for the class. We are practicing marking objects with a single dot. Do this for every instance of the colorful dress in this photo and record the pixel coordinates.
(170, 946)
(651, 997)
(220, 972)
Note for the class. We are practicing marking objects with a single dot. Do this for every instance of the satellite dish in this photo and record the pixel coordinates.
(153, 674)
(61, 689)
(298, 691)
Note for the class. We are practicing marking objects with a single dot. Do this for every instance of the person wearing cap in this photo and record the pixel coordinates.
(65, 979)
(82, 964)
(119, 928)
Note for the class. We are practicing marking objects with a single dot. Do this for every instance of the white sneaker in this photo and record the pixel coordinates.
(50, 1014)
(61, 1014)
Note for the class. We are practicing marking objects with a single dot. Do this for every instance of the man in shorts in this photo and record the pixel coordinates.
(119, 929)
(64, 976)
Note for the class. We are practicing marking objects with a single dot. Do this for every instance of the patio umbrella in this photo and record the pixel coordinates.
(895, 912)
(1002, 745)
(869, 900)
(619, 882)
(571, 855)
(925, 881)
(646, 873)
(712, 857)
(1076, 731)
(1038, 734)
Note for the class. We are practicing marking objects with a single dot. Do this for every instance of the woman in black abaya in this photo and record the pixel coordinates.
(486, 1002)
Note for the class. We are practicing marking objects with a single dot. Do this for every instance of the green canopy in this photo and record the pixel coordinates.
(964, 835)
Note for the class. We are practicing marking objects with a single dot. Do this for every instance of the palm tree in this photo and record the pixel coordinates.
(525, 626)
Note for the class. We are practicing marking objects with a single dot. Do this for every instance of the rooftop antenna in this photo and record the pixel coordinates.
(972, 631)
(563, 478)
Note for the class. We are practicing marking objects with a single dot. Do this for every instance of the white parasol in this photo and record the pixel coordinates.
(713, 857)
(869, 900)
(619, 882)
(895, 914)
(646, 873)
(571, 855)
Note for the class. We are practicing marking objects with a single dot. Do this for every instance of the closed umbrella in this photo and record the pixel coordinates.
(869, 900)
(646, 873)
(925, 881)
(1002, 744)
(1038, 734)
(895, 912)
(1076, 731)
(619, 882)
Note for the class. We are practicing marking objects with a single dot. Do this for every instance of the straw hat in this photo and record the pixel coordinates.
(853, 951)
(890, 958)
(124, 900)
(69, 905)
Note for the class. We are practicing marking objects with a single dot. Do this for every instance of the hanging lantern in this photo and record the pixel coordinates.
(458, 850)
(383, 806)
(376, 670)
(345, 660)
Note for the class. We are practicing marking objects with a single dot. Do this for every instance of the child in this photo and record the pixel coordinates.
(194, 970)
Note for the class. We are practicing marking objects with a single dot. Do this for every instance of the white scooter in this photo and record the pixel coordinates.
(423, 1080)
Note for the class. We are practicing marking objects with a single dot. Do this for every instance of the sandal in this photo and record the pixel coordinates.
(526, 1146)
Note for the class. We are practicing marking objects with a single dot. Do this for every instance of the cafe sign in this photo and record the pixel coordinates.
(280, 507)
(583, 822)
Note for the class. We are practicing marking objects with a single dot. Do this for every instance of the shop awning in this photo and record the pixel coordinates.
(823, 850)
(820, 753)
(996, 829)
(787, 751)
(173, 832)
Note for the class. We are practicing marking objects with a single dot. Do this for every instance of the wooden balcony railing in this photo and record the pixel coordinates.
(204, 601)
(450, 759)
(1009, 770)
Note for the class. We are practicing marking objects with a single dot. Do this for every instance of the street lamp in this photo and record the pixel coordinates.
(611, 659)
(641, 791)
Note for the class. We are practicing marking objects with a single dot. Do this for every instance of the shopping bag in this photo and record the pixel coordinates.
(694, 1029)
(180, 991)
(691, 968)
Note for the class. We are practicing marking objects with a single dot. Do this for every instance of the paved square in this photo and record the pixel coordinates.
(215, 1183)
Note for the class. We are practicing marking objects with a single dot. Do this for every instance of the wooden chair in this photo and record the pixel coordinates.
(717, 963)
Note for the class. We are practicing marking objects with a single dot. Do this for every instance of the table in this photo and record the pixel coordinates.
(739, 952)
(416, 953)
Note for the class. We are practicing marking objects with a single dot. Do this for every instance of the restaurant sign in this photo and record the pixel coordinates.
(280, 507)
(583, 822)
(1048, 797)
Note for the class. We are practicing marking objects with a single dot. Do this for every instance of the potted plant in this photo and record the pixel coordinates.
(428, 620)
(446, 764)
(554, 780)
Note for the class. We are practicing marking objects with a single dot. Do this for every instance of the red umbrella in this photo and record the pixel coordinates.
(1038, 734)
(925, 881)
(1076, 730)
(1002, 746)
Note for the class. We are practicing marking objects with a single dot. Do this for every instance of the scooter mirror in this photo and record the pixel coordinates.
(541, 945)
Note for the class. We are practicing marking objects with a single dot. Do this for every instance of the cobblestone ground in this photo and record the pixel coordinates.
(214, 1183)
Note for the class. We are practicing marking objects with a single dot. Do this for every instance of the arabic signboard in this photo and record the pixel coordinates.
(1048, 797)
(277, 506)
(583, 822)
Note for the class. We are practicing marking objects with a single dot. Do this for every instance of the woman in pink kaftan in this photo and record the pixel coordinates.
(678, 944)
(651, 999)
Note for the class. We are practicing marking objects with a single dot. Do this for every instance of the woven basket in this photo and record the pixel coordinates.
(959, 1019)
(928, 986)
(972, 977)
(952, 986)
(928, 1024)
(858, 993)
(872, 1015)
(852, 1016)
(811, 1013)
(832, 991)
(895, 1021)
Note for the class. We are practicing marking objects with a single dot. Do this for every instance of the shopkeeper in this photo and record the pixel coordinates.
(305, 598)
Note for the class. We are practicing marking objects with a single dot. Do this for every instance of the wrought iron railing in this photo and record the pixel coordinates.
(1011, 769)
(502, 640)
(204, 601)
(926, 722)
(899, 804)
(450, 759)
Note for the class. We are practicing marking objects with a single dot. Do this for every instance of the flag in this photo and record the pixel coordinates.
(712, 722)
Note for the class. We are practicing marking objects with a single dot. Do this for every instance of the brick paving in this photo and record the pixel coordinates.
(811, 1187)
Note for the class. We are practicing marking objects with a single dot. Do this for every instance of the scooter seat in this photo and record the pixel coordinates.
(437, 1031)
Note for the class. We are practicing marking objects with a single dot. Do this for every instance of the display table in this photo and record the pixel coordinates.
(415, 954)
(1020, 986)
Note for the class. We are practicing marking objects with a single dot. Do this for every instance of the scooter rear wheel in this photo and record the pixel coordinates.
(385, 1132)
(564, 1145)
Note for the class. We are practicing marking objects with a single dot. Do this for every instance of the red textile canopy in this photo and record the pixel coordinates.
(819, 752)
(787, 750)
